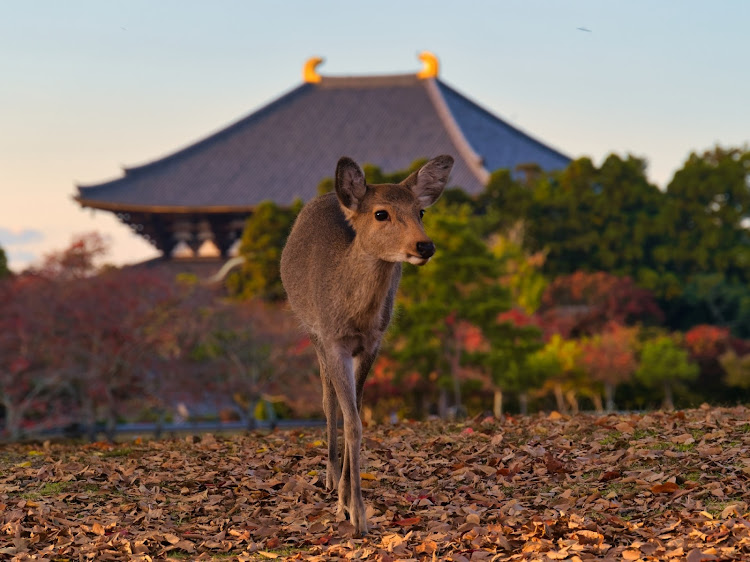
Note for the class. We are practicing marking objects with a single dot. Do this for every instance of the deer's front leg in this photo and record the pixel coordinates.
(350, 490)
(330, 408)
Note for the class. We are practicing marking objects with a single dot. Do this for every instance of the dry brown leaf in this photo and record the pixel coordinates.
(526, 488)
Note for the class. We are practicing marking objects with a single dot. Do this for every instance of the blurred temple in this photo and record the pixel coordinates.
(193, 203)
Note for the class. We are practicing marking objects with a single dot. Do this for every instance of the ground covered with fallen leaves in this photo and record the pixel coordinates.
(656, 486)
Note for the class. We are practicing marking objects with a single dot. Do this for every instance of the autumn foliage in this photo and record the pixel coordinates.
(657, 486)
(85, 347)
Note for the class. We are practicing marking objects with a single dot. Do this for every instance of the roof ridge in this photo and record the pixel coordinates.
(473, 159)
(377, 80)
(506, 123)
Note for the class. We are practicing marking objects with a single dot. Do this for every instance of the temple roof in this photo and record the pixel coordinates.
(282, 151)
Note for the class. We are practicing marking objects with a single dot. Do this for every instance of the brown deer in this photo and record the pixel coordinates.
(340, 268)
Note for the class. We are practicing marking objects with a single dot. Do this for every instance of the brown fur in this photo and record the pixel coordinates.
(341, 268)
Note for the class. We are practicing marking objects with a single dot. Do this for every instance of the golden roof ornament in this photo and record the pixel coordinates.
(309, 74)
(431, 65)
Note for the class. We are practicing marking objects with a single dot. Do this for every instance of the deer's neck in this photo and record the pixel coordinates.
(370, 280)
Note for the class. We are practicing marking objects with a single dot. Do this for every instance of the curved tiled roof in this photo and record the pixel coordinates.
(282, 151)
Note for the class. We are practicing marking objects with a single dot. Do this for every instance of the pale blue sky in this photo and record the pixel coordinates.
(89, 86)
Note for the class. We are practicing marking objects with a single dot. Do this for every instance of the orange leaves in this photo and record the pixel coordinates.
(636, 487)
(665, 488)
(408, 522)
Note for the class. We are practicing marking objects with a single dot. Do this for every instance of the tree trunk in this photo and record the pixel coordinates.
(523, 402)
(597, 400)
(497, 406)
(668, 401)
(570, 397)
(270, 414)
(250, 414)
(12, 420)
(443, 404)
(609, 395)
(89, 417)
(110, 427)
(559, 398)
(159, 429)
(457, 399)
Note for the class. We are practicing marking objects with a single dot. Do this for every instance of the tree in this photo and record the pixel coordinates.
(595, 219)
(4, 271)
(609, 358)
(512, 338)
(80, 259)
(33, 365)
(264, 237)
(712, 298)
(458, 287)
(502, 204)
(664, 363)
(567, 380)
(702, 219)
(737, 368)
(584, 304)
(116, 322)
(521, 271)
(254, 351)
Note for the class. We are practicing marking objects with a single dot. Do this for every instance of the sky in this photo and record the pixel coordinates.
(89, 87)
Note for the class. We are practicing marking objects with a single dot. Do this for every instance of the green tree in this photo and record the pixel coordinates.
(569, 378)
(503, 203)
(460, 285)
(521, 271)
(702, 218)
(4, 271)
(539, 367)
(507, 358)
(737, 368)
(264, 237)
(712, 298)
(664, 363)
(596, 219)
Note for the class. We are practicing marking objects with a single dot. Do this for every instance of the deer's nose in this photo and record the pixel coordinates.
(425, 249)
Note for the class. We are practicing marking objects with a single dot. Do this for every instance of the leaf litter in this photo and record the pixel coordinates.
(655, 486)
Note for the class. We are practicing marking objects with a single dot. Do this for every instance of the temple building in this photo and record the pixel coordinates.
(194, 202)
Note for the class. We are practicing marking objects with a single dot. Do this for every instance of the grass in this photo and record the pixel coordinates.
(47, 489)
(612, 438)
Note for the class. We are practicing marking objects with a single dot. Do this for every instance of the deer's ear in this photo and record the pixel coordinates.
(428, 183)
(350, 183)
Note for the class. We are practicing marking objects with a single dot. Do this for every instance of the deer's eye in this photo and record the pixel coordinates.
(421, 213)
(381, 215)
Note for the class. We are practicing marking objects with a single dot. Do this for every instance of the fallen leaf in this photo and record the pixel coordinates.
(665, 488)
(408, 522)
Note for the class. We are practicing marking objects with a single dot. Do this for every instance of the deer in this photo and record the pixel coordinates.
(340, 268)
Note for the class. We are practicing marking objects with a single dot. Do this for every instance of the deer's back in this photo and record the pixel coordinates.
(314, 251)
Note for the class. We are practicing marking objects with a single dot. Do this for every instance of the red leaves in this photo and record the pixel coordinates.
(707, 342)
(584, 303)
